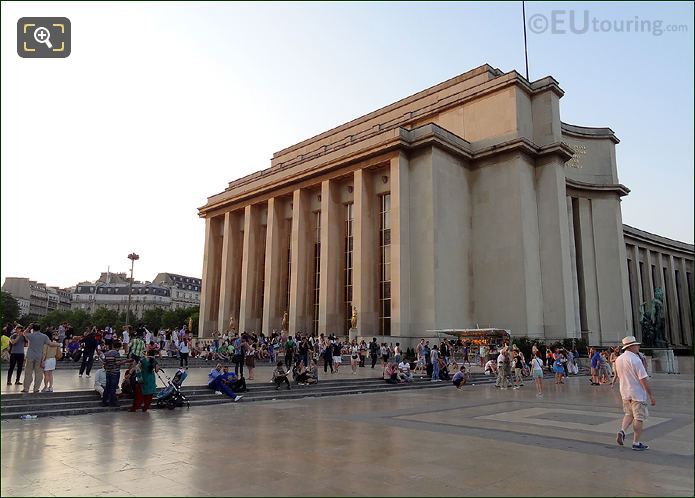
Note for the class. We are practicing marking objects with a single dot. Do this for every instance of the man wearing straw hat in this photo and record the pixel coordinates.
(634, 390)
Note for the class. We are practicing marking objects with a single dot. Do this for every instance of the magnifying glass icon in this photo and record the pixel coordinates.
(42, 35)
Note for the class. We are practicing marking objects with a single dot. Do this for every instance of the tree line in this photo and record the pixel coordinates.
(153, 319)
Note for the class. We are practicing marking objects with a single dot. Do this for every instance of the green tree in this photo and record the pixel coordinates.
(170, 319)
(153, 319)
(103, 317)
(55, 317)
(132, 321)
(29, 318)
(10, 308)
(80, 320)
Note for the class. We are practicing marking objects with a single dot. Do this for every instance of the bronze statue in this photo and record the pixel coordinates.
(285, 321)
(652, 321)
(353, 320)
(231, 325)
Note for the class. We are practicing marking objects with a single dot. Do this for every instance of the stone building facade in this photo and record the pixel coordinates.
(37, 298)
(657, 262)
(467, 204)
(185, 291)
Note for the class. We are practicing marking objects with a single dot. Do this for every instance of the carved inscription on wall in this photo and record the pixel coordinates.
(576, 160)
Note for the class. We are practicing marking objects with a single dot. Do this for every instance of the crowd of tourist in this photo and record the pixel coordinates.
(36, 352)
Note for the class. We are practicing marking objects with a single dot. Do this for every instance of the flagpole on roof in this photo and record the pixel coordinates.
(523, 10)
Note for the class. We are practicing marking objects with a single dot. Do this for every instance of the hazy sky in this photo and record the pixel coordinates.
(160, 105)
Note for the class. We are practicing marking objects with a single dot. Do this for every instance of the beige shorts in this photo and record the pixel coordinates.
(638, 409)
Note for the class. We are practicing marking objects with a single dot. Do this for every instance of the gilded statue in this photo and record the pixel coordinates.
(353, 320)
(285, 321)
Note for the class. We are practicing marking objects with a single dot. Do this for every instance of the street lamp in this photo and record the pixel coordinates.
(132, 257)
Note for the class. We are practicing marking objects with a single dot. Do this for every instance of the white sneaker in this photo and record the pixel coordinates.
(218, 392)
(238, 398)
(80, 375)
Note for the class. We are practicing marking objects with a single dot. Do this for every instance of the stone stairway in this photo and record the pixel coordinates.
(84, 402)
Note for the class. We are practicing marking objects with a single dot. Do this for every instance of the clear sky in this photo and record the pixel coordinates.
(113, 149)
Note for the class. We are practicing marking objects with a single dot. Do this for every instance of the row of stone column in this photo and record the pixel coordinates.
(236, 242)
(677, 304)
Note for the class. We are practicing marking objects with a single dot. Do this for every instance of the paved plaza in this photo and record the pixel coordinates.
(477, 441)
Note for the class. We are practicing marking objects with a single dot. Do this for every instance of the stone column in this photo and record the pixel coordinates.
(676, 333)
(573, 268)
(400, 252)
(651, 285)
(301, 270)
(332, 221)
(248, 312)
(210, 289)
(553, 232)
(611, 270)
(593, 317)
(364, 272)
(638, 277)
(230, 286)
(637, 297)
(686, 306)
(661, 283)
(274, 242)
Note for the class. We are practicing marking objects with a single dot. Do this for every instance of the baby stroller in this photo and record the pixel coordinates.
(171, 396)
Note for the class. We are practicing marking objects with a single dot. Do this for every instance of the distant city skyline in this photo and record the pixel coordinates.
(114, 148)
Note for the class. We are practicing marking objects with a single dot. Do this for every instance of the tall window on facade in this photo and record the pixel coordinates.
(349, 217)
(385, 265)
(317, 271)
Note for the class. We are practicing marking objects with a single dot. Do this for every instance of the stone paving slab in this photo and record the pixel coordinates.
(433, 443)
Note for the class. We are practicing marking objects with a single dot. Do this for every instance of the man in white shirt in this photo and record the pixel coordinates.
(404, 371)
(634, 390)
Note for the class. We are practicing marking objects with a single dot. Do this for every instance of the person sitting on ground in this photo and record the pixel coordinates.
(301, 373)
(443, 369)
(172, 349)
(73, 346)
(313, 373)
(238, 385)
(391, 373)
(404, 372)
(100, 382)
(216, 382)
(280, 376)
(129, 379)
(223, 353)
(491, 368)
(460, 377)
